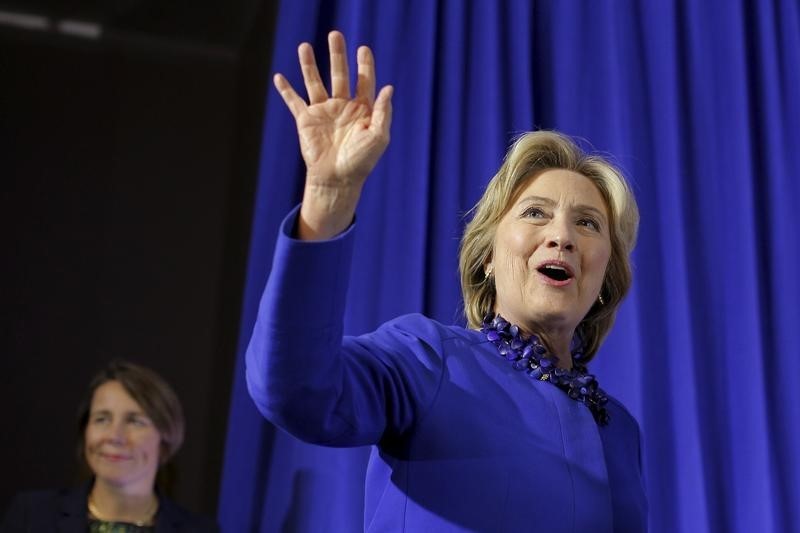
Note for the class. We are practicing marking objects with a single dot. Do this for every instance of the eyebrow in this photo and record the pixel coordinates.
(550, 203)
(108, 412)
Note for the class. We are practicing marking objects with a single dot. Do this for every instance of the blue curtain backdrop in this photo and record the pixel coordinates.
(700, 104)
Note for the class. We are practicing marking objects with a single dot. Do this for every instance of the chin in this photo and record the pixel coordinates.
(559, 311)
(554, 319)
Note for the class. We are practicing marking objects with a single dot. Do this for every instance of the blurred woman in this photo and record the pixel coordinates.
(130, 425)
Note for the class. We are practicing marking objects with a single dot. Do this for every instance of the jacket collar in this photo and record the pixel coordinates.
(74, 514)
(72, 511)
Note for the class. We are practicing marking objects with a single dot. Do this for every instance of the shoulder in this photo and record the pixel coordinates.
(624, 425)
(49, 496)
(31, 497)
(621, 415)
(35, 508)
(420, 334)
(173, 517)
(412, 337)
(419, 326)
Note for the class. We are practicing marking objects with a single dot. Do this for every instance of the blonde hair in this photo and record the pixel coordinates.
(530, 155)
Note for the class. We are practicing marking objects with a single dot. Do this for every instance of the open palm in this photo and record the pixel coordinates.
(341, 138)
(337, 141)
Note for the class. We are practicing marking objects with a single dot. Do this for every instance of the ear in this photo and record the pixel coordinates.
(488, 267)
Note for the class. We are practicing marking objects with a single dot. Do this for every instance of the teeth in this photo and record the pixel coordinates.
(556, 272)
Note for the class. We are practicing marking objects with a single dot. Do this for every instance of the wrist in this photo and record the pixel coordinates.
(326, 211)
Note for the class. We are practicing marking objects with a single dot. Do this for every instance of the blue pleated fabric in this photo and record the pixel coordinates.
(697, 101)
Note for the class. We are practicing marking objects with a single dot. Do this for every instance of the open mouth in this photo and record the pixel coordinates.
(555, 272)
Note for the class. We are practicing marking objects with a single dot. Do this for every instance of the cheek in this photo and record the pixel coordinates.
(151, 446)
(597, 264)
(90, 446)
(90, 441)
(519, 244)
(514, 251)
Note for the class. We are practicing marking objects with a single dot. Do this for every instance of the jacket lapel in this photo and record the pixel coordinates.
(167, 520)
(72, 515)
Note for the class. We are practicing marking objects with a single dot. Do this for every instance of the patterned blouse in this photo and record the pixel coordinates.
(101, 526)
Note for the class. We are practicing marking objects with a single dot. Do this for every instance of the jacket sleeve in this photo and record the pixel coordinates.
(324, 388)
(14, 520)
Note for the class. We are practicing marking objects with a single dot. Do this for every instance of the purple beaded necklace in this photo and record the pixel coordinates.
(531, 356)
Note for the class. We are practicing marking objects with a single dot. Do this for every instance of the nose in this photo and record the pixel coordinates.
(558, 243)
(560, 234)
(116, 434)
(561, 237)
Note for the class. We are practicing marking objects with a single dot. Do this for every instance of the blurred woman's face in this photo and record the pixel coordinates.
(122, 444)
(550, 253)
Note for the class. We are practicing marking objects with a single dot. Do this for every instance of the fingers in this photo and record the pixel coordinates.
(382, 112)
(365, 87)
(340, 74)
(293, 101)
(308, 65)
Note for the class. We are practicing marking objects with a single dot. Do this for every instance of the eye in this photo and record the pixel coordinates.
(99, 419)
(589, 223)
(138, 421)
(533, 212)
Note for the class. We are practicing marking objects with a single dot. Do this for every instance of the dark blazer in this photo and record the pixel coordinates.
(64, 511)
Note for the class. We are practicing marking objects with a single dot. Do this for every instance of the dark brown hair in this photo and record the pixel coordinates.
(151, 392)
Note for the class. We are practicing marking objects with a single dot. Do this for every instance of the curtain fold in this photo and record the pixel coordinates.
(698, 102)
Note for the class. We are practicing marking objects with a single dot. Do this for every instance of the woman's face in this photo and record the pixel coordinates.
(122, 444)
(550, 253)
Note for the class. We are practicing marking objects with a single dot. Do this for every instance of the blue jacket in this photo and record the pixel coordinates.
(463, 442)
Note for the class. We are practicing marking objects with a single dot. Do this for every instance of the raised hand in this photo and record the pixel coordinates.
(341, 138)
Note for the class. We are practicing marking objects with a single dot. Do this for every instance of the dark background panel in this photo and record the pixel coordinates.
(128, 162)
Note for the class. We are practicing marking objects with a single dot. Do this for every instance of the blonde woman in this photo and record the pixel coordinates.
(496, 427)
